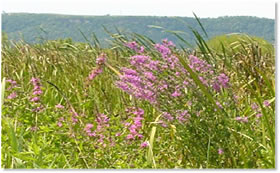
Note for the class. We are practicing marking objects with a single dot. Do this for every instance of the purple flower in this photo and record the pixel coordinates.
(176, 93)
(37, 92)
(220, 151)
(59, 124)
(94, 73)
(167, 116)
(165, 51)
(37, 109)
(35, 99)
(118, 134)
(129, 71)
(12, 82)
(223, 80)
(59, 106)
(150, 76)
(182, 116)
(254, 106)
(101, 59)
(168, 43)
(74, 120)
(219, 105)
(162, 123)
(134, 46)
(12, 95)
(129, 136)
(139, 59)
(266, 103)
(242, 119)
(144, 144)
(258, 115)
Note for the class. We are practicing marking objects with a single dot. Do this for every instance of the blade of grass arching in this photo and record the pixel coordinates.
(84, 36)
(95, 40)
(181, 38)
(147, 39)
(204, 44)
(150, 158)
(3, 90)
(201, 26)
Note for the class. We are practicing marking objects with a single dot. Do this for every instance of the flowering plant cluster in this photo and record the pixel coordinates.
(36, 93)
(13, 84)
(100, 61)
(165, 83)
(102, 123)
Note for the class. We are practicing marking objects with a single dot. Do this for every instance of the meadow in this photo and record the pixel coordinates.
(138, 104)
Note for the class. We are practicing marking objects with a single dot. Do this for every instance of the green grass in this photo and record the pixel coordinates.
(63, 67)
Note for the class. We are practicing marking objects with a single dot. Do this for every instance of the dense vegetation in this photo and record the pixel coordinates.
(35, 27)
(138, 104)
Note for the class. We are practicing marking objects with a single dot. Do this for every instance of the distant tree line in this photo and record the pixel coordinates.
(34, 28)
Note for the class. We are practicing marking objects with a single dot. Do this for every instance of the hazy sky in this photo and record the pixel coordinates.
(203, 8)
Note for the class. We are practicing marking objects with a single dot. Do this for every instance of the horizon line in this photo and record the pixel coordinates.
(126, 15)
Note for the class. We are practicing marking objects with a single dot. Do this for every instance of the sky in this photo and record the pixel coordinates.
(202, 8)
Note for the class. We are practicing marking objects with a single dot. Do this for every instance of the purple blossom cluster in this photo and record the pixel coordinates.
(102, 123)
(135, 126)
(256, 109)
(60, 120)
(13, 84)
(134, 46)
(242, 119)
(164, 82)
(222, 81)
(100, 61)
(182, 116)
(74, 116)
(36, 93)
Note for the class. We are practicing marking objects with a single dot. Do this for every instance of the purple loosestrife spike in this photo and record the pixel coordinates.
(254, 106)
(35, 99)
(101, 59)
(176, 93)
(129, 137)
(167, 116)
(223, 80)
(37, 92)
(266, 103)
(140, 136)
(144, 144)
(134, 46)
(128, 71)
(12, 95)
(165, 51)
